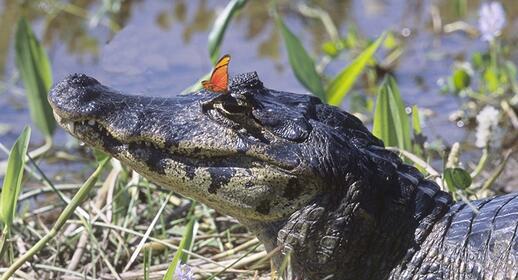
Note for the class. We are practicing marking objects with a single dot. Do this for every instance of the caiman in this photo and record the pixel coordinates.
(301, 175)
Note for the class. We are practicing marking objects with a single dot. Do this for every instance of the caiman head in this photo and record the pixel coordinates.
(244, 153)
(296, 171)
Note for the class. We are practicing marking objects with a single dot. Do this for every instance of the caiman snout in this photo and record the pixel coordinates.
(77, 96)
(74, 86)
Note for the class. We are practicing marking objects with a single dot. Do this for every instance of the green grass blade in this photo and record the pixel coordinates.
(499, 169)
(12, 184)
(196, 86)
(13, 177)
(147, 263)
(78, 198)
(220, 26)
(416, 120)
(286, 261)
(390, 121)
(301, 63)
(187, 241)
(344, 81)
(418, 139)
(190, 233)
(100, 156)
(36, 73)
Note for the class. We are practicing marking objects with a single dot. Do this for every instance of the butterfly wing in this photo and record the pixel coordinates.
(218, 81)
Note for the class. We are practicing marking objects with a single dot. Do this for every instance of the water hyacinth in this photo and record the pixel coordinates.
(491, 20)
(488, 131)
(183, 272)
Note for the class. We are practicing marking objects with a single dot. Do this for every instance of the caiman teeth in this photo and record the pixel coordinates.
(71, 127)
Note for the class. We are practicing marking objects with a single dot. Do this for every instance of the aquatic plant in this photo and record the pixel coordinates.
(488, 131)
(491, 20)
(183, 272)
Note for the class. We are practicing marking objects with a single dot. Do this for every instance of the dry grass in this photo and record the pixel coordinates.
(124, 220)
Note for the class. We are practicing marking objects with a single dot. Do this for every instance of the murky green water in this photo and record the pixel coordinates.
(160, 47)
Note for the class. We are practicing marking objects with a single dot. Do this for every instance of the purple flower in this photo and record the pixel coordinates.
(491, 20)
(183, 272)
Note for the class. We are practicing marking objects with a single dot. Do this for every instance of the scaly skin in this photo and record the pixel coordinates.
(299, 174)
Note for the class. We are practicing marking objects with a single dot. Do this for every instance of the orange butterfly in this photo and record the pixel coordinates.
(218, 81)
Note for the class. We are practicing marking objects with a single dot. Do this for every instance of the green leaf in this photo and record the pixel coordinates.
(345, 80)
(188, 238)
(456, 178)
(147, 263)
(12, 185)
(187, 241)
(461, 7)
(491, 80)
(301, 63)
(330, 48)
(13, 177)
(35, 71)
(478, 60)
(196, 86)
(352, 39)
(100, 155)
(418, 137)
(220, 26)
(390, 41)
(416, 120)
(390, 120)
(461, 79)
(511, 72)
(283, 268)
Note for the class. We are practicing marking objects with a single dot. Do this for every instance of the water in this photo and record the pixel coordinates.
(161, 49)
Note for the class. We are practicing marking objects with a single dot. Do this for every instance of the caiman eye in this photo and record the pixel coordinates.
(229, 105)
(232, 108)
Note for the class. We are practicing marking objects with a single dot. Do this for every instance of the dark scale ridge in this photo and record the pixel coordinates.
(244, 82)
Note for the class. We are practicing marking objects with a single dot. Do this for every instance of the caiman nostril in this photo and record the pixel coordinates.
(74, 93)
(81, 80)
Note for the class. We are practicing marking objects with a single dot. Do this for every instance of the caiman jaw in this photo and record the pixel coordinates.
(213, 163)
